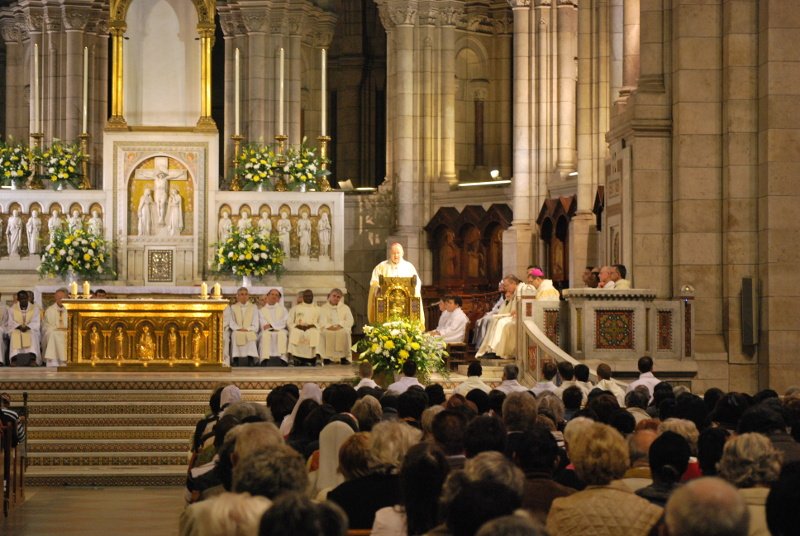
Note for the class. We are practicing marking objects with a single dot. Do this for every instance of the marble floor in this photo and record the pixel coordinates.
(115, 511)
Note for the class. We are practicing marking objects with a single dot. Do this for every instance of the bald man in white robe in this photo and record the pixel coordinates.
(335, 324)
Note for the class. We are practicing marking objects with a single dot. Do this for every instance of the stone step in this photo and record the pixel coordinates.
(118, 408)
(103, 444)
(125, 396)
(106, 475)
(84, 459)
(60, 433)
(37, 421)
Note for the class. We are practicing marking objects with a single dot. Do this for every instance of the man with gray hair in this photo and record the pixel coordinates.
(510, 383)
(707, 506)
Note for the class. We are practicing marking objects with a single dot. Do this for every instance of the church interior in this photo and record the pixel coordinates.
(486, 137)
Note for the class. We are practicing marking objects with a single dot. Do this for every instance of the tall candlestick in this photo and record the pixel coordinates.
(236, 91)
(35, 91)
(280, 96)
(85, 88)
(323, 92)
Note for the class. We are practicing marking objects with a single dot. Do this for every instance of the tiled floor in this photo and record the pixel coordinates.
(96, 512)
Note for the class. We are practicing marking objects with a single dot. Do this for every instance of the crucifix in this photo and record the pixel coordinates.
(161, 175)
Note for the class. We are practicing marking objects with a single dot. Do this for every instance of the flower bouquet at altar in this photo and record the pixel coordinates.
(248, 253)
(16, 163)
(257, 165)
(77, 252)
(304, 167)
(389, 345)
(61, 164)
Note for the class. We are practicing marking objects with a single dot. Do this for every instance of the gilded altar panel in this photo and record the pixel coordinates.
(145, 333)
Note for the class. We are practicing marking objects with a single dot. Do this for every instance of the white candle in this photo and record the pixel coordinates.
(217, 290)
(236, 91)
(323, 91)
(87, 290)
(73, 289)
(85, 88)
(204, 290)
(35, 92)
(280, 96)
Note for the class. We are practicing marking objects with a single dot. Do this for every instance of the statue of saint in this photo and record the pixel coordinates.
(34, 228)
(197, 343)
(324, 230)
(172, 343)
(284, 232)
(96, 223)
(14, 232)
(54, 223)
(224, 227)
(244, 222)
(94, 344)
(264, 224)
(145, 213)
(75, 221)
(448, 255)
(147, 346)
(175, 213)
(304, 234)
(119, 338)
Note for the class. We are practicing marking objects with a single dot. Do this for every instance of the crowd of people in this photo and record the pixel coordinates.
(566, 457)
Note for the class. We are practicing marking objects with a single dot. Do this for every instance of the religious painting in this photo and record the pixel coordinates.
(160, 199)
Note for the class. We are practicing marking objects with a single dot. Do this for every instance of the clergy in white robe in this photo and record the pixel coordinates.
(274, 335)
(395, 266)
(453, 322)
(24, 328)
(245, 325)
(54, 333)
(304, 329)
(335, 324)
(500, 338)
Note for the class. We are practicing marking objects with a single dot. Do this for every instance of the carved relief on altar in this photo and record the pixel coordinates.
(160, 198)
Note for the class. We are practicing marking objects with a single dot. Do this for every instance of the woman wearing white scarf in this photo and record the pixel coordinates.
(330, 441)
(309, 390)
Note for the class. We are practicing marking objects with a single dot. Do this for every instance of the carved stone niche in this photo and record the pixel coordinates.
(467, 247)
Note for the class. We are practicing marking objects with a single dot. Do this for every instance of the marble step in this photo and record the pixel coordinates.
(112, 433)
(38, 421)
(45, 447)
(84, 459)
(106, 475)
(118, 408)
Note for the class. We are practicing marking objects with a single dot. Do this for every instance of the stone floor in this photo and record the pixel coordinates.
(119, 511)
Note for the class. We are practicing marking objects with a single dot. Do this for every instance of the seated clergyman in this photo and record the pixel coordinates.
(274, 335)
(23, 326)
(335, 323)
(245, 325)
(304, 330)
(54, 336)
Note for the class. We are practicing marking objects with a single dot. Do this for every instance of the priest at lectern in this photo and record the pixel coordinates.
(395, 266)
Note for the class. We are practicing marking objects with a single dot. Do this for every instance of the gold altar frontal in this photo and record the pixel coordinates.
(153, 334)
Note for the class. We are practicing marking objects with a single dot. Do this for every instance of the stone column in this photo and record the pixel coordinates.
(616, 48)
(294, 67)
(630, 58)
(517, 239)
(254, 75)
(567, 20)
(448, 78)
(75, 21)
(15, 77)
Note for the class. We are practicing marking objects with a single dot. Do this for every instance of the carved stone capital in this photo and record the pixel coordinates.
(75, 19)
(34, 21)
(519, 4)
(395, 13)
(11, 31)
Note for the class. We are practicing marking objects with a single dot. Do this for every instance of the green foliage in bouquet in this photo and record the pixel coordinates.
(304, 164)
(257, 164)
(16, 162)
(248, 253)
(78, 251)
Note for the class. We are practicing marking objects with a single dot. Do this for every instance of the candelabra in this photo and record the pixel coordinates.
(280, 184)
(323, 183)
(85, 183)
(35, 181)
(237, 146)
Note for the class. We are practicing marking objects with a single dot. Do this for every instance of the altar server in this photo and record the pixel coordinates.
(54, 335)
(274, 335)
(304, 330)
(335, 323)
(23, 327)
(245, 325)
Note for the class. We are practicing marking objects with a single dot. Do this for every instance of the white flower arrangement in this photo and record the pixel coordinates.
(16, 162)
(78, 251)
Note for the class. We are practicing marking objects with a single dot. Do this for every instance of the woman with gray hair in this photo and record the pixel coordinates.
(752, 464)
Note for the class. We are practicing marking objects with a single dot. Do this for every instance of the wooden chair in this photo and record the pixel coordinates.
(359, 532)
(458, 351)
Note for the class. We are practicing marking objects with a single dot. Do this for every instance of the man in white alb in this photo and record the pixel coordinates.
(274, 335)
(245, 325)
(453, 325)
(54, 336)
(304, 330)
(395, 266)
(335, 323)
(23, 327)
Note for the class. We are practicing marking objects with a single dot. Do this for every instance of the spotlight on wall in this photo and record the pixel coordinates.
(494, 174)
(573, 174)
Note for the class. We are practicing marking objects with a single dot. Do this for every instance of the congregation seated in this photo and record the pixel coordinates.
(54, 333)
(274, 333)
(473, 381)
(453, 321)
(244, 321)
(365, 375)
(304, 330)
(335, 324)
(23, 327)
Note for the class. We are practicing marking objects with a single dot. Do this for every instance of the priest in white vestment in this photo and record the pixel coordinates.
(274, 335)
(453, 322)
(304, 330)
(335, 324)
(24, 327)
(499, 340)
(245, 325)
(395, 266)
(54, 334)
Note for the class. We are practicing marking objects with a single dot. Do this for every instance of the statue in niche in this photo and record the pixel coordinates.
(172, 343)
(304, 234)
(324, 230)
(119, 337)
(244, 222)
(34, 228)
(96, 223)
(94, 343)
(264, 224)
(75, 221)
(284, 232)
(145, 213)
(197, 343)
(56, 222)
(160, 185)
(14, 232)
(175, 213)
(448, 255)
(224, 226)
(147, 346)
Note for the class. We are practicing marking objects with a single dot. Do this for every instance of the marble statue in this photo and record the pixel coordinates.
(14, 232)
(224, 227)
(34, 228)
(244, 222)
(145, 213)
(96, 223)
(56, 222)
(175, 213)
(284, 232)
(75, 221)
(264, 224)
(304, 234)
(160, 184)
(324, 230)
